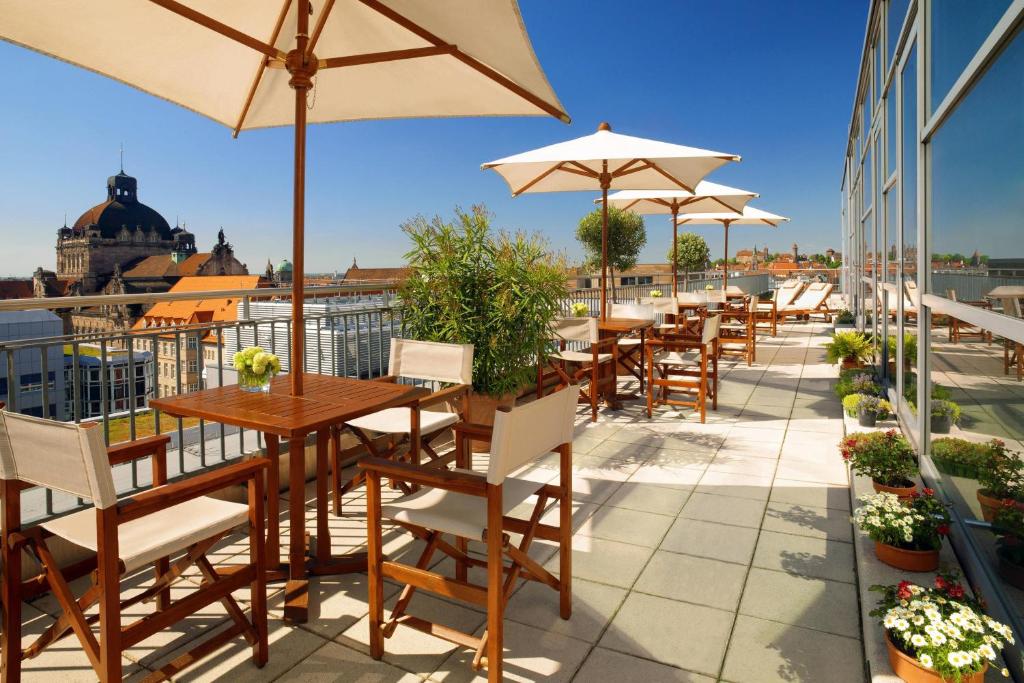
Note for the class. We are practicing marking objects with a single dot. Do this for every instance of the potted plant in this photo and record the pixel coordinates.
(909, 351)
(938, 635)
(843, 320)
(656, 293)
(944, 415)
(1008, 527)
(886, 457)
(856, 381)
(907, 535)
(959, 457)
(496, 291)
(1000, 480)
(850, 348)
(255, 368)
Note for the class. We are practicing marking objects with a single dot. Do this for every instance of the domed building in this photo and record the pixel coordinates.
(115, 233)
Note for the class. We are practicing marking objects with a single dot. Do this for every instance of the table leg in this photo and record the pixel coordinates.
(296, 592)
(323, 534)
(273, 502)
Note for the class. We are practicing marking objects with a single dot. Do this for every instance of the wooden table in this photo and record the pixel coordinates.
(616, 327)
(327, 402)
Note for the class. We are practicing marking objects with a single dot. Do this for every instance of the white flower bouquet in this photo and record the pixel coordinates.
(656, 293)
(942, 629)
(918, 524)
(580, 310)
(255, 367)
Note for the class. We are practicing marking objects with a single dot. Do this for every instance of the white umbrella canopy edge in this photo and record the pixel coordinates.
(190, 55)
(706, 197)
(749, 216)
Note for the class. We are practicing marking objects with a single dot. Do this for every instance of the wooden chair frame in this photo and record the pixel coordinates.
(106, 570)
(746, 339)
(958, 329)
(806, 313)
(665, 379)
(388, 446)
(501, 579)
(591, 373)
(631, 355)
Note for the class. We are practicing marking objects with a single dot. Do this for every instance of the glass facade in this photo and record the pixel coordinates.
(939, 200)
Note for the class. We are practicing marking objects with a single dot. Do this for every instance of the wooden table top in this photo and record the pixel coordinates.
(624, 324)
(327, 401)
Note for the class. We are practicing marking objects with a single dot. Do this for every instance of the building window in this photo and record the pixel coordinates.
(958, 28)
(193, 342)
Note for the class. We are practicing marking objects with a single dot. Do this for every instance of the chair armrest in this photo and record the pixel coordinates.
(459, 482)
(390, 379)
(139, 448)
(163, 497)
(444, 395)
(610, 342)
(473, 431)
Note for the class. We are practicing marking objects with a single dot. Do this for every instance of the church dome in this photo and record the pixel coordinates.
(284, 266)
(122, 209)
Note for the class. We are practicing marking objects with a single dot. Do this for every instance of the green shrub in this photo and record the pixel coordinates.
(1003, 475)
(847, 346)
(909, 349)
(856, 381)
(853, 403)
(886, 456)
(942, 408)
(959, 457)
(844, 317)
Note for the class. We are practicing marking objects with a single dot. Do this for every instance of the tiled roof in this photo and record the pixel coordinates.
(16, 289)
(162, 266)
(357, 273)
(198, 310)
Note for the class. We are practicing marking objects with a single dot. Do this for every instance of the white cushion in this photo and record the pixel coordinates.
(677, 358)
(162, 533)
(580, 356)
(628, 341)
(456, 513)
(398, 420)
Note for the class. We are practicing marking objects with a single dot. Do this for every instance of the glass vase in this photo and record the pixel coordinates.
(253, 383)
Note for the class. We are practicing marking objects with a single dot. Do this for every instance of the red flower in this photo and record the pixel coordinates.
(940, 583)
(956, 591)
(903, 590)
(929, 492)
(1009, 503)
(915, 494)
(943, 530)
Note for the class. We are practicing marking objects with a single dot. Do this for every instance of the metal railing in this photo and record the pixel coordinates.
(750, 284)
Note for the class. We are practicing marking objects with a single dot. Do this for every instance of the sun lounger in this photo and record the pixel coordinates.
(813, 300)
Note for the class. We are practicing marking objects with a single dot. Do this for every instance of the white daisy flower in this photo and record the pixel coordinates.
(925, 660)
(917, 640)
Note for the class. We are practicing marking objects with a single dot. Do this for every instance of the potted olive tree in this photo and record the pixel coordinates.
(494, 290)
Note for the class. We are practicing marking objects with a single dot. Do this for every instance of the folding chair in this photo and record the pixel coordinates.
(738, 331)
(418, 361)
(126, 535)
(958, 329)
(631, 346)
(812, 300)
(676, 365)
(472, 506)
(596, 366)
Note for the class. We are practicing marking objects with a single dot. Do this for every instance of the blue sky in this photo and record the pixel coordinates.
(771, 81)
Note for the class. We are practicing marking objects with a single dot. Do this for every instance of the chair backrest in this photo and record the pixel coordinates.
(575, 330)
(632, 311)
(813, 296)
(691, 298)
(432, 361)
(56, 455)
(710, 329)
(754, 302)
(714, 296)
(665, 306)
(527, 432)
(787, 292)
(1011, 306)
(951, 294)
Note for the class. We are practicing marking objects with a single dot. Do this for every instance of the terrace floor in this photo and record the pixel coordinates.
(707, 552)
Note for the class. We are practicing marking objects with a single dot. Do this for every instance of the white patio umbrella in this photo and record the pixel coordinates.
(606, 160)
(706, 197)
(749, 216)
(235, 63)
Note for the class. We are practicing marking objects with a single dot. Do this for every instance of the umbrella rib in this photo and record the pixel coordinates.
(542, 176)
(388, 56)
(321, 20)
(633, 170)
(621, 169)
(261, 68)
(671, 177)
(583, 170)
(219, 27)
(469, 61)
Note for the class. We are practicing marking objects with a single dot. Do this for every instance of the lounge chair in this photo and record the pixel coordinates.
(959, 330)
(812, 300)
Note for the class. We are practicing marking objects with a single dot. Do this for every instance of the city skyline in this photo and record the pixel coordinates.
(190, 168)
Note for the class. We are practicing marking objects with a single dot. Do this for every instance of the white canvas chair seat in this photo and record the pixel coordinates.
(398, 421)
(629, 341)
(456, 513)
(677, 358)
(161, 534)
(580, 356)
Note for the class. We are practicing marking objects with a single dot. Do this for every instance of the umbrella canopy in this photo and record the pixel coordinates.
(749, 216)
(237, 63)
(706, 197)
(606, 160)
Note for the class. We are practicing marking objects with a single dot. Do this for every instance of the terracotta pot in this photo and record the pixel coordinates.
(907, 560)
(481, 411)
(1011, 573)
(908, 668)
(989, 505)
(904, 492)
(850, 363)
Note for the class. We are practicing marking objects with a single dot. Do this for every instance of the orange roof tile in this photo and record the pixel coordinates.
(198, 310)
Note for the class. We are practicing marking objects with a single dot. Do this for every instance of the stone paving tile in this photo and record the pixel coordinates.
(593, 606)
(814, 557)
(810, 494)
(753, 486)
(628, 526)
(649, 498)
(609, 562)
(673, 476)
(812, 603)
(804, 520)
(334, 662)
(707, 539)
(707, 582)
(762, 651)
(608, 665)
(688, 636)
(724, 509)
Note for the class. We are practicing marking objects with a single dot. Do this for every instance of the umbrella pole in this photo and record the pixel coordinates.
(675, 254)
(605, 184)
(725, 266)
(302, 71)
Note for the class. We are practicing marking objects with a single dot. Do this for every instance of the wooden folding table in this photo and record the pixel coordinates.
(326, 402)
